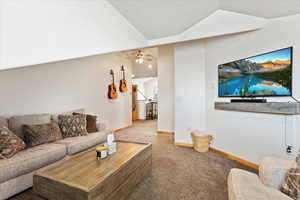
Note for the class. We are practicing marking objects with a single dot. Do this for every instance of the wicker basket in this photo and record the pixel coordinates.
(201, 141)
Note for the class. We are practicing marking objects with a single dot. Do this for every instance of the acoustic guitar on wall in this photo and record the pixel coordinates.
(112, 89)
(123, 84)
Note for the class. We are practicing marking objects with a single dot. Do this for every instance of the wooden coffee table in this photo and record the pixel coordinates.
(83, 177)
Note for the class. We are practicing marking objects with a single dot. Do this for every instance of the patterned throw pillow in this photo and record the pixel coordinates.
(10, 144)
(72, 125)
(291, 184)
(91, 122)
(40, 134)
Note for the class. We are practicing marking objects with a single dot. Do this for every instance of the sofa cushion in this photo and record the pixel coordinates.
(81, 143)
(15, 123)
(40, 134)
(3, 122)
(244, 185)
(30, 159)
(10, 144)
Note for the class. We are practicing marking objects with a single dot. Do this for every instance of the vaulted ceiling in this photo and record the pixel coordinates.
(262, 8)
(163, 18)
(79, 28)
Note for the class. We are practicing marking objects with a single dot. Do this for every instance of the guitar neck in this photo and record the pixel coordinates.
(123, 75)
(113, 78)
(123, 72)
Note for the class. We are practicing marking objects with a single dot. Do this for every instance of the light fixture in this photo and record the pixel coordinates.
(149, 66)
(140, 57)
(132, 75)
(141, 60)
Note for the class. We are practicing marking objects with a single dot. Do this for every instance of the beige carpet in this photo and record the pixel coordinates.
(178, 173)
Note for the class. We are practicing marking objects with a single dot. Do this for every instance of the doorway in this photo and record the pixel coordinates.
(134, 102)
(144, 98)
(144, 83)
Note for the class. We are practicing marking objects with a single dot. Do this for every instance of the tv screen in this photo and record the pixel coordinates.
(268, 74)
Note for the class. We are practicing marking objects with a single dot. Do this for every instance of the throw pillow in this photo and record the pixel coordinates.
(72, 125)
(10, 144)
(40, 134)
(54, 117)
(91, 122)
(291, 184)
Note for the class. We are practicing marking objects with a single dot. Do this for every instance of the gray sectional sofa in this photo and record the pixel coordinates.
(16, 173)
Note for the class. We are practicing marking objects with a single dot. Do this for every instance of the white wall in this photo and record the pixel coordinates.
(189, 89)
(67, 85)
(248, 135)
(1, 34)
(40, 31)
(143, 71)
(166, 88)
(151, 88)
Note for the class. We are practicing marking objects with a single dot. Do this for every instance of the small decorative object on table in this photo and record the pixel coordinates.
(112, 148)
(111, 145)
(108, 148)
(101, 152)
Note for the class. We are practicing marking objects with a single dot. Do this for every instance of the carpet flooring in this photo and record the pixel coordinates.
(178, 173)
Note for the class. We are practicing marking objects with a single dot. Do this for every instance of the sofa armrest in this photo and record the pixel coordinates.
(102, 125)
(272, 171)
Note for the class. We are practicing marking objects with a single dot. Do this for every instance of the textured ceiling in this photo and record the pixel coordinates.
(262, 8)
(163, 18)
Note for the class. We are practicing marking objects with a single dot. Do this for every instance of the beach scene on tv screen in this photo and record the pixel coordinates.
(269, 74)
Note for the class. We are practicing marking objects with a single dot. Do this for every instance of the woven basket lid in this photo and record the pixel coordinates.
(201, 133)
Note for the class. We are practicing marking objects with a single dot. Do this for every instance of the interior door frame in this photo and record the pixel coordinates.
(134, 102)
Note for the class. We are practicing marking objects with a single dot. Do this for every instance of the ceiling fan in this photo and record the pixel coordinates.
(140, 57)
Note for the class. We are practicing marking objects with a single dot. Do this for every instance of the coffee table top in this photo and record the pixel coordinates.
(84, 171)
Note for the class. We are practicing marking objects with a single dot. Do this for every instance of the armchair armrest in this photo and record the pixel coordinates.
(244, 185)
(272, 171)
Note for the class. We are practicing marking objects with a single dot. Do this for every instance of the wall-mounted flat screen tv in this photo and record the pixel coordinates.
(268, 74)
